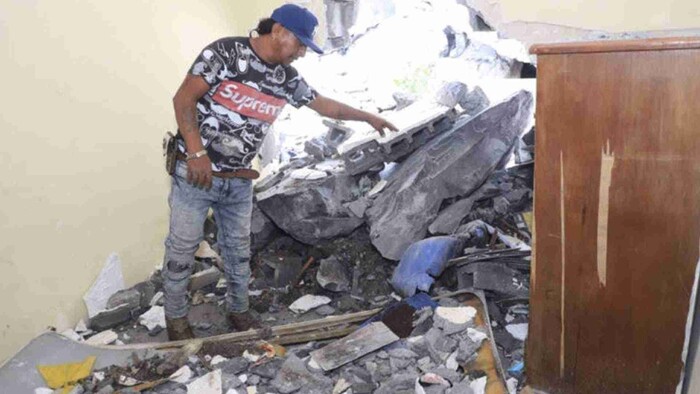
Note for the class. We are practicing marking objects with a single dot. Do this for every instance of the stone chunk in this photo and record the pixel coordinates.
(294, 375)
(103, 338)
(494, 277)
(110, 318)
(318, 207)
(439, 345)
(518, 331)
(308, 302)
(269, 369)
(332, 275)
(131, 297)
(474, 101)
(234, 366)
(402, 353)
(325, 310)
(207, 384)
(153, 317)
(399, 384)
(454, 320)
(204, 278)
(451, 93)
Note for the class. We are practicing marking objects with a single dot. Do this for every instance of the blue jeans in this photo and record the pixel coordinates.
(232, 202)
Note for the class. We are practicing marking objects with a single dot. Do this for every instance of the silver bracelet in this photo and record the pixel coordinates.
(196, 155)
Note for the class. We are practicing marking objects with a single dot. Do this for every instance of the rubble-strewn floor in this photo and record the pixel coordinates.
(440, 353)
(336, 209)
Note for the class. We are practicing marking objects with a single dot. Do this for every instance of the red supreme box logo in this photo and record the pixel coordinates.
(248, 101)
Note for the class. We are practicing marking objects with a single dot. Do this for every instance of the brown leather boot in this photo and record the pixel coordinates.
(243, 321)
(179, 329)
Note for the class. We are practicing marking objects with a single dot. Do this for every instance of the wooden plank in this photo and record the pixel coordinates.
(250, 335)
(617, 209)
(363, 341)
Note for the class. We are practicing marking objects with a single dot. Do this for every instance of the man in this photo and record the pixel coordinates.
(233, 92)
(341, 15)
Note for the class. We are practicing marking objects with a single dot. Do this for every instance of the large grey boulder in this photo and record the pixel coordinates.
(312, 209)
(453, 164)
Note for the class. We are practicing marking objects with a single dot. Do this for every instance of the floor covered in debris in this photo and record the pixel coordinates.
(381, 264)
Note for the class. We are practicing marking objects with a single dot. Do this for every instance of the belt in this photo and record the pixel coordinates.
(245, 173)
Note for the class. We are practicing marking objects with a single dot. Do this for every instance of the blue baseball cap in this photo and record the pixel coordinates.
(299, 21)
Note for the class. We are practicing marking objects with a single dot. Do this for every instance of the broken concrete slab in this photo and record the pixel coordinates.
(332, 275)
(110, 318)
(153, 317)
(205, 252)
(493, 277)
(418, 123)
(308, 302)
(268, 369)
(403, 383)
(147, 289)
(455, 163)
(317, 148)
(130, 297)
(454, 320)
(451, 93)
(359, 206)
(474, 101)
(109, 281)
(518, 331)
(204, 278)
(182, 375)
(319, 212)
(102, 338)
(325, 310)
(294, 375)
(497, 184)
(363, 341)
(439, 345)
(207, 384)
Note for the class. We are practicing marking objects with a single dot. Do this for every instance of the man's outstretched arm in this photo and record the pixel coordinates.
(337, 110)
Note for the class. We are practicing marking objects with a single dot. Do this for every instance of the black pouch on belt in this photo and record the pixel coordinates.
(170, 152)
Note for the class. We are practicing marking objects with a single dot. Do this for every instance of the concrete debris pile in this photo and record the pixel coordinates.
(442, 351)
(435, 162)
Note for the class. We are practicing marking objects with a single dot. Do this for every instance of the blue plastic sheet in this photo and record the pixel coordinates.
(422, 262)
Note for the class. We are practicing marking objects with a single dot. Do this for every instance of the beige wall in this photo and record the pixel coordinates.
(86, 96)
(609, 15)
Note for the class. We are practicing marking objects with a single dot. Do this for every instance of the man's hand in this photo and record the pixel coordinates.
(199, 172)
(337, 110)
(380, 124)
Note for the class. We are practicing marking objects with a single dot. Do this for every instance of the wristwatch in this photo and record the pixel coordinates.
(196, 155)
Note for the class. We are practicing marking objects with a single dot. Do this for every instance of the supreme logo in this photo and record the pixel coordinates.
(248, 101)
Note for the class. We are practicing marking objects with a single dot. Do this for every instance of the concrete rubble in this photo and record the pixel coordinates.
(370, 360)
(471, 151)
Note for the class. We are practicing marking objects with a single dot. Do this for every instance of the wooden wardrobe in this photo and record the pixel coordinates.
(617, 215)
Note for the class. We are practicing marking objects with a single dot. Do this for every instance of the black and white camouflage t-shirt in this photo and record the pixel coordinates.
(246, 96)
